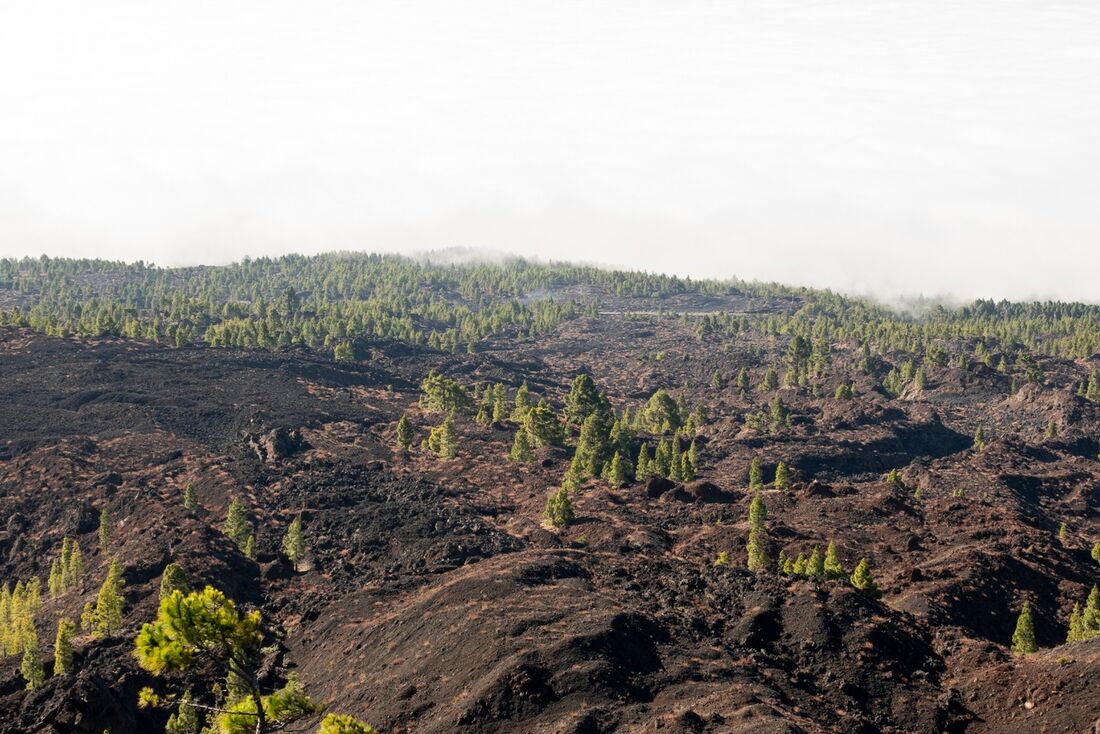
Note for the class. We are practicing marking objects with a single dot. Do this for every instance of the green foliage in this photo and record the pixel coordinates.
(979, 439)
(31, 666)
(815, 565)
(756, 474)
(723, 559)
(173, 579)
(1096, 552)
(834, 569)
(190, 501)
(63, 647)
(542, 426)
(1023, 638)
(1084, 623)
(583, 400)
(661, 414)
(186, 718)
(237, 527)
(616, 471)
(109, 601)
(782, 476)
(294, 542)
(559, 509)
(404, 433)
(770, 381)
(442, 439)
(442, 394)
(522, 403)
(521, 448)
(337, 724)
(756, 546)
(343, 352)
(861, 578)
(844, 391)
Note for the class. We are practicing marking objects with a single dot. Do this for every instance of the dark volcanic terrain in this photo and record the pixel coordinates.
(434, 598)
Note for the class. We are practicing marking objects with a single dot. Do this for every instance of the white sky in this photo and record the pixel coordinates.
(917, 146)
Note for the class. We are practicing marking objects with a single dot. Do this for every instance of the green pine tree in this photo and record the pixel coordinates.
(404, 434)
(782, 477)
(521, 448)
(190, 501)
(31, 667)
(173, 579)
(559, 509)
(815, 566)
(616, 472)
(861, 578)
(834, 569)
(294, 542)
(1023, 639)
(108, 605)
(237, 527)
(63, 647)
(756, 474)
(186, 718)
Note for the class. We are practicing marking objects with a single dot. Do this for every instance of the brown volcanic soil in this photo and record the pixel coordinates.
(435, 601)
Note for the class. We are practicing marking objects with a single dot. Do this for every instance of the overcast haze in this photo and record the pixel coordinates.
(920, 147)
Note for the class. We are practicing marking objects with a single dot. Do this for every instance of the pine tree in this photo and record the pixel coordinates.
(756, 546)
(108, 605)
(1096, 552)
(522, 402)
(173, 579)
(756, 474)
(31, 667)
(87, 617)
(294, 542)
(499, 412)
(771, 380)
(237, 528)
(73, 572)
(834, 569)
(56, 583)
(186, 718)
(861, 578)
(782, 478)
(643, 470)
(583, 399)
(798, 568)
(616, 473)
(979, 439)
(1092, 392)
(249, 549)
(521, 448)
(1052, 429)
(1023, 639)
(815, 566)
(446, 441)
(190, 501)
(1076, 626)
(559, 509)
(104, 530)
(742, 382)
(63, 647)
(404, 434)
(1063, 532)
(338, 724)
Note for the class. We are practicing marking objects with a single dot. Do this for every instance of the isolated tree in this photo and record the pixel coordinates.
(834, 569)
(108, 604)
(63, 647)
(1023, 639)
(404, 434)
(979, 439)
(742, 382)
(104, 530)
(782, 477)
(237, 528)
(559, 509)
(31, 666)
(1052, 429)
(861, 578)
(521, 448)
(294, 542)
(756, 546)
(173, 579)
(756, 474)
(204, 628)
(190, 501)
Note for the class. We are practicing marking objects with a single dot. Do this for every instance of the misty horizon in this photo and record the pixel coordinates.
(876, 150)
